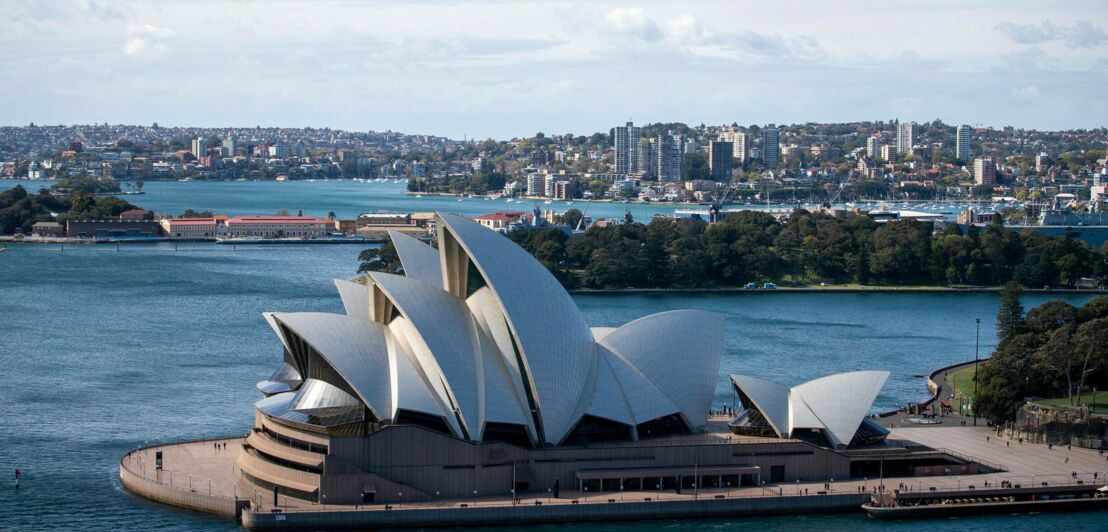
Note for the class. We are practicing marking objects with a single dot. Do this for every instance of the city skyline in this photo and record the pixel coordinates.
(550, 67)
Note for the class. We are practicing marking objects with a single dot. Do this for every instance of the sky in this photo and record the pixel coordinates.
(503, 69)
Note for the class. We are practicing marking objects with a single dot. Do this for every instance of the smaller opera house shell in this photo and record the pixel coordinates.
(475, 372)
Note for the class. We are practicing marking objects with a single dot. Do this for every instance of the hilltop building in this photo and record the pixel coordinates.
(905, 138)
(961, 147)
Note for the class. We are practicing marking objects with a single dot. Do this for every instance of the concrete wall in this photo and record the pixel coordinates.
(429, 462)
(223, 506)
(561, 513)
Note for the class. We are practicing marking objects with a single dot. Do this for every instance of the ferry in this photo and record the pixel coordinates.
(1006, 498)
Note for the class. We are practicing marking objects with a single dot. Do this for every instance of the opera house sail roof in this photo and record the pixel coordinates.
(834, 407)
(478, 340)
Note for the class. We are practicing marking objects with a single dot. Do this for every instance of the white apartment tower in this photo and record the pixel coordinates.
(961, 148)
(873, 146)
(626, 146)
(905, 138)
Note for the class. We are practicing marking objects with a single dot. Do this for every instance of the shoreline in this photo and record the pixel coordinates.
(834, 288)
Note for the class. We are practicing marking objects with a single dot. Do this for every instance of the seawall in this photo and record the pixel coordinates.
(559, 513)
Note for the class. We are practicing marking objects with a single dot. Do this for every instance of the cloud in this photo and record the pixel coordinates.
(688, 33)
(633, 21)
(1029, 92)
(1081, 34)
(146, 41)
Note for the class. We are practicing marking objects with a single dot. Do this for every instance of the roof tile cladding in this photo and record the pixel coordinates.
(517, 341)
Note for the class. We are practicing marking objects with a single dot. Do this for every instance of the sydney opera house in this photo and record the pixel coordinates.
(474, 373)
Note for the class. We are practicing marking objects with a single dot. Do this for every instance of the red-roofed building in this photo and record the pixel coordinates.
(277, 227)
(501, 221)
(133, 215)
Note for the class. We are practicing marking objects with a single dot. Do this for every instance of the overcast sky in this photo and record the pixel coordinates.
(504, 69)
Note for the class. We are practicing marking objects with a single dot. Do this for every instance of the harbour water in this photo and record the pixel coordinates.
(348, 198)
(106, 350)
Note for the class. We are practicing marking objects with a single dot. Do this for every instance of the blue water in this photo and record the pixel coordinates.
(346, 198)
(102, 351)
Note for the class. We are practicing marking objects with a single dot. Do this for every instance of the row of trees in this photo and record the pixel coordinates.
(807, 247)
(19, 209)
(1055, 350)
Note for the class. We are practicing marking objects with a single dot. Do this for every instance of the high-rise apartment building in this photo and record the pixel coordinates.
(671, 157)
(873, 146)
(905, 138)
(740, 143)
(230, 145)
(771, 147)
(646, 160)
(961, 147)
(199, 147)
(626, 146)
(720, 157)
(984, 172)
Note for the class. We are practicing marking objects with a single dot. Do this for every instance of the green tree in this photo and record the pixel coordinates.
(1009, 318)
(380, 259)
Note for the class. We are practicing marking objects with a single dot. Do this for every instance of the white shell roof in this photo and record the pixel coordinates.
(772, 400)
(841, 401)
(836, 404)
(517, 342)
(554, 341)
(356, 348)
(355, 298)
(419, 260)
(679, 352)
(446, 330)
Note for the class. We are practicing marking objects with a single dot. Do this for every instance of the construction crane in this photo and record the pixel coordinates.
(717, 203)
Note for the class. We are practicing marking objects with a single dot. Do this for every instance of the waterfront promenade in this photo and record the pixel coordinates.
(200, 468)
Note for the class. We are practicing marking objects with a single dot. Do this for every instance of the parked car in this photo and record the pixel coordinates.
(750, 286)
(769, 286)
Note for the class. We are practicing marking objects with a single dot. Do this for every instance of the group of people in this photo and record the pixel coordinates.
(725, 411)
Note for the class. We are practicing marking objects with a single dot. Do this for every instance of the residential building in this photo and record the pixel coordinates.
(671, 158)
(646, 158)
(740, 143)
(961, 147)
(720, 156)
(888, 152)
(771, 147)
(229, 146)
(199, 147)
(905, 138)
(984, 171)
(873, 147)
(626, 146)
(536, 184)
(502, 221)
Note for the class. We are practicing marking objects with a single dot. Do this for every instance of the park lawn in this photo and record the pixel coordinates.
(1101, 406)
(960, 383)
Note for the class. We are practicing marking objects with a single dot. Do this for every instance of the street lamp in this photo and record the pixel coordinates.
(976, 355)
